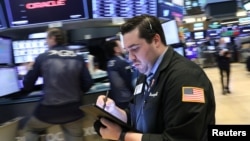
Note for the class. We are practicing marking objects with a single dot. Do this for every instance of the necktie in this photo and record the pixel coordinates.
(148, 82)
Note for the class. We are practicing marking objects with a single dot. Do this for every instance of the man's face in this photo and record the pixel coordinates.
(50, 41)
(119, 48)
(141, 53)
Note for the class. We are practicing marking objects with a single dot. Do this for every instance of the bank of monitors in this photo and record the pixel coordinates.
(33, 12)
(8, 81)
(27, 50)
(123, 8)
(5, 51)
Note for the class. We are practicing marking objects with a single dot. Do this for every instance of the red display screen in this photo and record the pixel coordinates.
(26, 12)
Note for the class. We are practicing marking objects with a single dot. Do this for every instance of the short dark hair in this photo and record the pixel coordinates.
(109, 48)
(59, 34)
(147, 25)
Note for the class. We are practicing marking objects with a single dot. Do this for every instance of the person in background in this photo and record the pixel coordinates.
(173, 99)
(223, 56)
(66, 79)
(119, 74)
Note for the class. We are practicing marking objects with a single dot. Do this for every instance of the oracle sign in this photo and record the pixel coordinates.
(45, 4)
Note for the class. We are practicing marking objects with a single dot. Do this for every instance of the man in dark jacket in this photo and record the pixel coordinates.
(66, 78)
(173, 99)
(223, 56)
(119, 73)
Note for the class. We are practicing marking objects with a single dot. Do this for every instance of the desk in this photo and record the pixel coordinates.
(23, 107)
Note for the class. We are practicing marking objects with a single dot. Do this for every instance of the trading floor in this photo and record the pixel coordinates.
(232, 108)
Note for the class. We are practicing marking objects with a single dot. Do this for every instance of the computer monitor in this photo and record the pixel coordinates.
(121, 8)
(27, 50)
(171, 32)
(33, 12)
(5, 51)
(179, 50)
(8, 81)
(22, 71)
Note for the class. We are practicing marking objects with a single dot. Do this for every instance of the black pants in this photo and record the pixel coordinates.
(227, 71)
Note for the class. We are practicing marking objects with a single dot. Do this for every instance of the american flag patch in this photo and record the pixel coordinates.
(193, 94)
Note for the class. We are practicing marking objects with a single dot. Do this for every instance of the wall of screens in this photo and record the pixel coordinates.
(28, 12)
(27, 50)
(119, 8)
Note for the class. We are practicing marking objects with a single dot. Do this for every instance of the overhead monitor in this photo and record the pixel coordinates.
(6, 51)
(169, 10)
(193, 7)
(214, 25)
(171, 32)
(3, 24)
(199, 35)
(27, 50)
(30, 12)
(198, 26)
(122, 8)
(8, 81)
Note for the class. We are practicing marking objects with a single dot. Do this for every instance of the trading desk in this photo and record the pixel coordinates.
(11, 108)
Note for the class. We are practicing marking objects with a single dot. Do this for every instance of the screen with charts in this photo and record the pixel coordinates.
(22, 71)
(26, 12)
(5, 51)
(28, 50)
(8, 81)
(123, 8)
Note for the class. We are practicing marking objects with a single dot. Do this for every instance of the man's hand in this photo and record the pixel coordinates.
(112, 131)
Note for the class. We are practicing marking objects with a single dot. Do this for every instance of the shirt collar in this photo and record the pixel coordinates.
(157, 63)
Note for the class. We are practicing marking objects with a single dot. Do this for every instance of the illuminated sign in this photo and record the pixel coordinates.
(36, 5)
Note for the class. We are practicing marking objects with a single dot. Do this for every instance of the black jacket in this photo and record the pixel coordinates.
(223, 60)
(164, 115)
(120, 76)
(66, 78)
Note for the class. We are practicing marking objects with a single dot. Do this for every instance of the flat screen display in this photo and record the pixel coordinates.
(123, 8)
(179, 50)
(26, 12)
(27, 50)
(3, 24)
(22, 71)
(171, 32)
(8, 81)
(199, 35)
(5, 51)
(169, 10)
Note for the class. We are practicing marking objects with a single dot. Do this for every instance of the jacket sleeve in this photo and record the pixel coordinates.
(185, 120)
(32, 75)
(118, 83)
(125, 72)
(86, 78)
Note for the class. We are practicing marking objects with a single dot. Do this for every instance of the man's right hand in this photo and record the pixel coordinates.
(109, 105)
